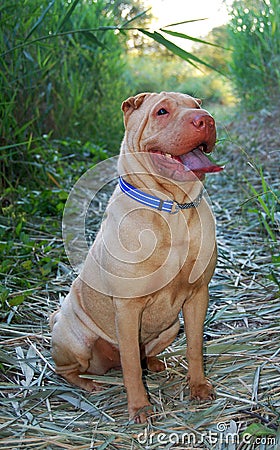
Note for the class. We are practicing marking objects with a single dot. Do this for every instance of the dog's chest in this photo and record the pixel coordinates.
(163, 307)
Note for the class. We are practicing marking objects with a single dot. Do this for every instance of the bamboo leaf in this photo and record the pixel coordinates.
(26, 368)
(268, 228)
(190, 38)
(221, 349)
(90, 36)
(185, 21)
(84, 404)
(68, 14)
(40, 20)
(141, 14)
(17, 300)
(187, 56)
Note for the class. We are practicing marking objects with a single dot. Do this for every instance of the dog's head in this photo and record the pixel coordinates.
(174, 130)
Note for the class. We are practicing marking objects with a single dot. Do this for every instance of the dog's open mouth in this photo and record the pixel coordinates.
(186, 167)
(194, 161)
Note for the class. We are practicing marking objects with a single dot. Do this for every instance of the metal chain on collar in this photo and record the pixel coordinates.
(194, 204)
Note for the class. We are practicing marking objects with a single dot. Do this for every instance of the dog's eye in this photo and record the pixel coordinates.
(162, 111)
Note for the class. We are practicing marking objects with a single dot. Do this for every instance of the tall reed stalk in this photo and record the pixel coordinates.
(254, 33)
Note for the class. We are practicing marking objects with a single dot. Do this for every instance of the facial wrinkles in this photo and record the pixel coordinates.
(142, 135)
(132, 161)
(134, 143)
(157, 140)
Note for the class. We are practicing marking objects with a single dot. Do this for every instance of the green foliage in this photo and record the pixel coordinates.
(254, 33)
(42, 163)
(267, 202)
(190, 57)
(31, 214)
(160, 69)
(264, 203)
(217, 53)
(209, 87)
(258, 429)
(167, 73)
(26, 262)
(70, 84)
(63, 75)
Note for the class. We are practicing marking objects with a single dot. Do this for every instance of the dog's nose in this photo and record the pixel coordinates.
(203, 121)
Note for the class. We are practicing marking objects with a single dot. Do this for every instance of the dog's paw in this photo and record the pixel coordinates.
(202, 391)
(93, 387)
(80, 380)
(140, 415)
(154, 364)
(89, 385)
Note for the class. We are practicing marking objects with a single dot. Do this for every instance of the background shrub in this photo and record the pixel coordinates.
(70, 85)
(254, 33)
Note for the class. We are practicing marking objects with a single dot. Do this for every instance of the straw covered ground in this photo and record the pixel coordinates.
(39, 410)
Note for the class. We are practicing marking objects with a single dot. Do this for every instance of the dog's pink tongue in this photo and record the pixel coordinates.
(197, 161)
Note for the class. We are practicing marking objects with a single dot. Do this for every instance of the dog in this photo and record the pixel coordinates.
(153, 257)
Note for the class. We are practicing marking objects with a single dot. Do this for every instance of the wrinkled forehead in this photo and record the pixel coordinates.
(174, 99)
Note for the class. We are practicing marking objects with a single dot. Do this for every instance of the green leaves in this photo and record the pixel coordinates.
(64, 19)
(90, 33)
(254, 34)
(40, 20)
(257, 429)
(187, 56)
(190, 38)
(267, 201)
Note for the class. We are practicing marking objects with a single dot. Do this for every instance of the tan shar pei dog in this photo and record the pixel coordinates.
(152, 258)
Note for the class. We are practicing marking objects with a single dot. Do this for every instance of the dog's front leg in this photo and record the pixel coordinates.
(194, 311)
(128, 318)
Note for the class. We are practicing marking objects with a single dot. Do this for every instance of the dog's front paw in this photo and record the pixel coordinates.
(140, 415)
(202, 391)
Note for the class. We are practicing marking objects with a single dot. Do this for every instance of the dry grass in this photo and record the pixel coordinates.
(41, 411)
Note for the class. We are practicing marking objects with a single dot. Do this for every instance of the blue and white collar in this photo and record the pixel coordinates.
(169, 206)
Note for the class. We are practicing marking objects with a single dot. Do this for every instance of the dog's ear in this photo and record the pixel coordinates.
(132, 103)
(198, 101)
